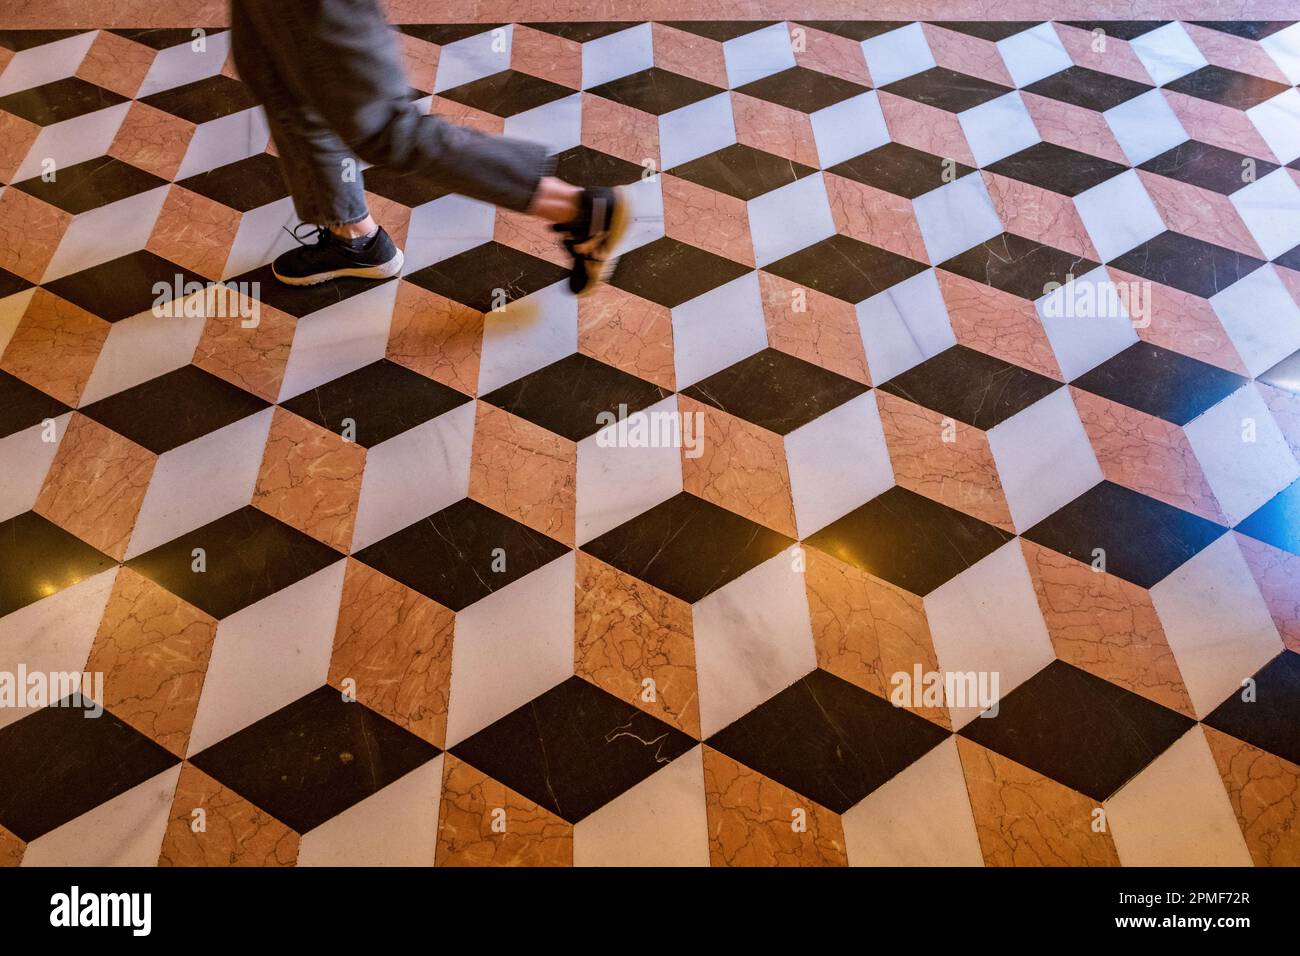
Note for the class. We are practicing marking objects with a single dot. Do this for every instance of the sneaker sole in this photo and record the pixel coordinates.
(384, 270)
(599, 270)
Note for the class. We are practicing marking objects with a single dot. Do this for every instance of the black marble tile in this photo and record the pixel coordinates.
(991, 30)
(60, 763)
(1272, 720)
(407, 189)
(1120, 29)
(670, 272)
(444, 33)
(488, 276)
(1191, 265)
(195, 403)
(1284, 375)
(573, 749)
(248, 555)
(123, 287)
(582, 32)
(19, 40)
(567, 396)
(1239, 91)
(375, 402)
(591, 167)
(802, 89)
(845, 268)
(461, 554)
(971, 386)
(1018, 266)
(1277, 521)
(203, 100)
(720, 30)
(300, 300)
(687, 546)
(507, 93)
(829, 740)
(84, 186)
(1079, 730)
(901, 170)
(909, 540)
(11, 284)
(1088, 88)
(1143, 540)
(1210, 167)
(1160, 382)
(947, 89)
(164, 38)
(22, 405)
(775, 390)
(244, 185)
(855, 29)
(741, 171)
(38, 558)
(1291, 258)
(58, 101)
(312, 759)
(1057, 168)
(1246, 29)
(655, 91)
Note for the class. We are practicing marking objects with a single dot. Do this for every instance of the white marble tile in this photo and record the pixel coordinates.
(398, 826)
(141, 348)
(645, 199)
(261, 237)
(922, 817)
(289, 634)
(1086, 322)
(510, 647)
(696, 130)
(46, 63)
(790, 218)
(105, 233)
(72, 141)
(1044, 458)
(837, 462)
(1260, 317)
(339, 339)
(753, 639)
(557, 124)
(530, 333)
(904, 325)
(26, 456)
(1118, 214)
(897, 54)
(662, 821)
(618, 54)
(1284, 47)
(1216, 623)
(718, 329)
(196, 59)
(1270, 208)
(446, 227)
(849, 128)
(758, 54)
(225, 140)
(1278, 122)
(955, 217)
(998, 128)
(474, 58)
(1176, 812)
(1168, 53)
(1145, 126)
(1034, 54)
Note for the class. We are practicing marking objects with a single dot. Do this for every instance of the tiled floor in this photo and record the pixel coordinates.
(969, 348)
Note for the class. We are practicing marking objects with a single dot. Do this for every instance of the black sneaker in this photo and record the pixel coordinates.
(330, 257)
(591, 237)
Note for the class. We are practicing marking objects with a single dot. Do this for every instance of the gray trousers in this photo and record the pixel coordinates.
(330, 78)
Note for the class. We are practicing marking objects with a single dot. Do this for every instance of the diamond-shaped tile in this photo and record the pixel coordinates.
(802, 89)
(1090, 89)
(38, 558)
(84, 186)
(1238, 91)
(507, 93)
(946, 89)
(203, 100)
(1277, 521)
(845, 268)
(1017, 265)
(488, 276)
(244, 185)
(1160, 382)
(22, 406)
(670, 272)
(901, 170)
(1056, 168)
(1207, 166)
(58, 101)
(1270, 718)
(124, 286)
(741, 171)
(655, 90)
(1190, 265)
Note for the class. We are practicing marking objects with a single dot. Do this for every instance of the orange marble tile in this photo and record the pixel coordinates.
(742, 468)
(531, 235)
(1147, 454)
(5, 56)
(1264, 791)
(420, 60)
(54, 326)
(1199, 213)
(1105, 626)
(774, 129)
(1116, 57)
(966, 54)
(524, 471)
(925, 127)
(1285, 409)
(229, 831)
(689, 55)
(1065, 124)
(824, 331)
(463, 115)
(30, 231)
(1040, 215)
(628, 633)
(116, 63)
(619, 130)
(436, 337)
(310, 479)
(194, 232)
(1235, 53)
(959, 473)
(152, 140)
(1025, 819)
(754, 821)
(11, 848)
(875, 216)
(484, 823)
(153, 649)
(627, 332)
(1290, 278)
(96, 484)
(1277, 574)
(1218, 125)
(16, 138)
(866, 630)
(547, 56)
(997, 323)
(393, 647)
(1183, 323)
(253, 358)
(708, 219)
(831, 54)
